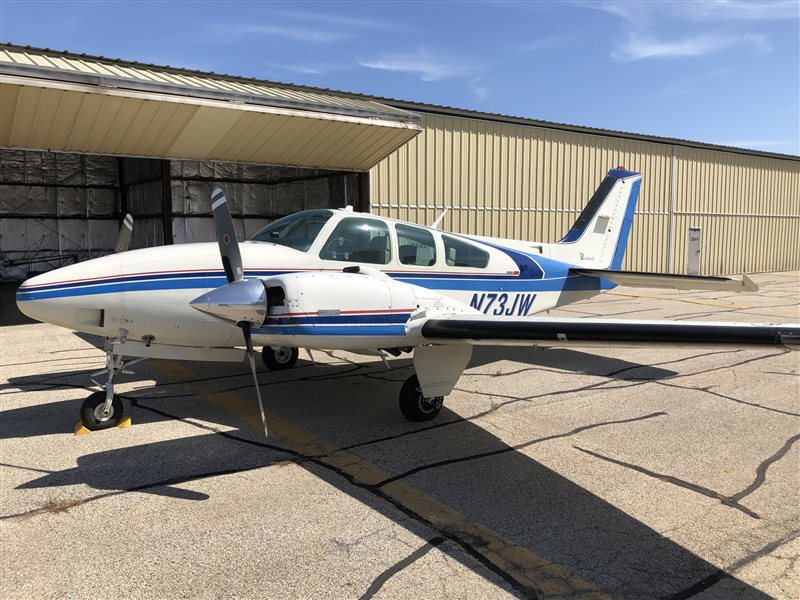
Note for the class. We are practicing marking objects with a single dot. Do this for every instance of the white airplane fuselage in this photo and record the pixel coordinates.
(148, 292)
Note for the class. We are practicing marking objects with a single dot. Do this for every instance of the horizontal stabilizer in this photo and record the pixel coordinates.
(547, 331)
(667, 280)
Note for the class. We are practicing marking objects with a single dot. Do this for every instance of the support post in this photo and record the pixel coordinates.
(362, 202)
(122, 190)
(166, 196)
(671, 215)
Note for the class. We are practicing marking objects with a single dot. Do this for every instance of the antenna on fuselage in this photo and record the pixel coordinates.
(439, 219)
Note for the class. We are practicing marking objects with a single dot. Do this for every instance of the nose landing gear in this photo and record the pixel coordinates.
(104, 410)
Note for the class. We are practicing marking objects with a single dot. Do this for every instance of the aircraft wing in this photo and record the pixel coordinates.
(548, 331)
(669, 280)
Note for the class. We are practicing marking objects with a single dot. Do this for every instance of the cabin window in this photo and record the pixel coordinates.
(360, 240)
(458, 253)
(296, 231)
(415, 246)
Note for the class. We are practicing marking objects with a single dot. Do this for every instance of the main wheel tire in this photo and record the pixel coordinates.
(281, 357)
(414, 406)
(92, 412)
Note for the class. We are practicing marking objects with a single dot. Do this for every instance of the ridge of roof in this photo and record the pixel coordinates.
(409, 104)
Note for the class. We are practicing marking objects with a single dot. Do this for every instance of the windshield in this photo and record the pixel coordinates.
(296, 231)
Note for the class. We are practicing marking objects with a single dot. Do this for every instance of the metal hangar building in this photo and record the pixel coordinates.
(85, 139)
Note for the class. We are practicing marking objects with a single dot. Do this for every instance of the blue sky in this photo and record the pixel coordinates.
(725, 72)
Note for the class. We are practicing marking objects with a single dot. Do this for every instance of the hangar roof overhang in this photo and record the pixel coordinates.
(65, 102)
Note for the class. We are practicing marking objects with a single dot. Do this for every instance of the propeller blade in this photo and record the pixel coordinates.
(125, 233)
(248, 340)
(226, 236)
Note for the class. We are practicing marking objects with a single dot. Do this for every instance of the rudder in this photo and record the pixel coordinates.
(600, 234)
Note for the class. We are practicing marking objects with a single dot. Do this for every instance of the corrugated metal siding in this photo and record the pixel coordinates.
(747, 207)
(530, 183)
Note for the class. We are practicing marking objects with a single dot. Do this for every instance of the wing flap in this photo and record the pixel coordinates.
(669, 280)
(555, 332)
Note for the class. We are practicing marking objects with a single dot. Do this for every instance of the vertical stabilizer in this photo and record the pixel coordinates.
(599, 236)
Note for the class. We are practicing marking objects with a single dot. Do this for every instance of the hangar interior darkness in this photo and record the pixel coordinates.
(57, 208)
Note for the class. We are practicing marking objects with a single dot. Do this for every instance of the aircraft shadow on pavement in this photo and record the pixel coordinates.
(568, 359)
(58, 417)
(508, 492)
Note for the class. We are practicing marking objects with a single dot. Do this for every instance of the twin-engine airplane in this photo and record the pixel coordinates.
(335, 279)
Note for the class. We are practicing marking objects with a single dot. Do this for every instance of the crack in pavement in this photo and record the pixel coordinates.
(719, 575)
(687, 485)
(480, 455)
(381, 579)
(761, 470)
(708, 390)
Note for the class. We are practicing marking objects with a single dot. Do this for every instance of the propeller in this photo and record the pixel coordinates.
(232, 263)
(125, 233)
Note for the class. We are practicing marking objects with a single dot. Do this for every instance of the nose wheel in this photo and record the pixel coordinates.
(416, 407)
(94, 415)
(277, 358)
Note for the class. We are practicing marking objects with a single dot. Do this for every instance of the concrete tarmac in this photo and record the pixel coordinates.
(561, 473)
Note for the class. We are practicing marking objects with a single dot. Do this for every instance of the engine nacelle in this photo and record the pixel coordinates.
(363, 297)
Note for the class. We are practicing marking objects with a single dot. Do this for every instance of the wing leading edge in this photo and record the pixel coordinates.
(548, 331)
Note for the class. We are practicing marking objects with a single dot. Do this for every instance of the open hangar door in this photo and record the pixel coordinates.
(90, 138)
(58, 208)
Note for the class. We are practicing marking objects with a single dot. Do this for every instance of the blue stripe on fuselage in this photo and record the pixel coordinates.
(316, 330)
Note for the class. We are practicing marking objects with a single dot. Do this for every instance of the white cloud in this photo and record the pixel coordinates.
(312, 69)
(644, 12)
(342, 21)
(298, 34)
(741, 10)
(421, 64)
(640, 47)
(478, 88)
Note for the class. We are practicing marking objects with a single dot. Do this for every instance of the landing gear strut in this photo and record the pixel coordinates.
(103, 410)
(414, 406)
(278, 358)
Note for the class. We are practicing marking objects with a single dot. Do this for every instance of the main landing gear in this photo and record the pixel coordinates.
(104, 410)
(277, 358)
(414, 406)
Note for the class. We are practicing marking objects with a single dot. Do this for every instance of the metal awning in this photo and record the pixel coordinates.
(74, 103)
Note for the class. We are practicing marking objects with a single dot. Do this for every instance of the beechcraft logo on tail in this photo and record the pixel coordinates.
(503, 304)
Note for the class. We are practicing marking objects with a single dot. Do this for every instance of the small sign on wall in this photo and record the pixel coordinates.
(693, 250)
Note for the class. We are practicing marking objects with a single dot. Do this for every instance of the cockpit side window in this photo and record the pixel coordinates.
(296, 231)
(356, 239)
(415, 246)
(461, 254)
